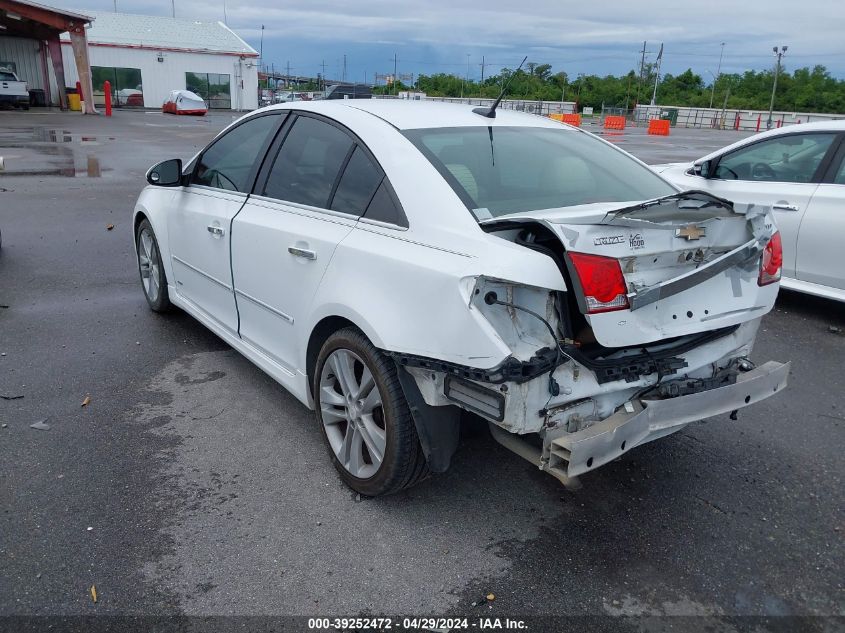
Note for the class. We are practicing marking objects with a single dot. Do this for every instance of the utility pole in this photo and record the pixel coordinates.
(482, 68)
(323, 76)
(115, 6)
(173, 7)
(395, 70)
(718, 74)
(343, 77)
(225, 18)
(466, 77)
(779, 55)
(657, 76)
(287, 81)
(642, 71)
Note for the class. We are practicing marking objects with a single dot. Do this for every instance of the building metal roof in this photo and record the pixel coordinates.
(164, 33)
(51, 9)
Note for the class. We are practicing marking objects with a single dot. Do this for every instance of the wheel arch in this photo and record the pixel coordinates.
(320, 333)
(438, 428)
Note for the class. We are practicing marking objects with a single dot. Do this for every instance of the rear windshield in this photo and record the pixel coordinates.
(502, 170)
(4, 76)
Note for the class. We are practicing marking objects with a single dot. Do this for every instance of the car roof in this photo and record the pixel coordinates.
(836, 125)
(408, 115)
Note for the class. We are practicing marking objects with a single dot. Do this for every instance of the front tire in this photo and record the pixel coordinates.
(364, 417)
(153, 281)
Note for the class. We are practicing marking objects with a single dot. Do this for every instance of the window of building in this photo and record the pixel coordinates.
(126, 86)
(214, 88)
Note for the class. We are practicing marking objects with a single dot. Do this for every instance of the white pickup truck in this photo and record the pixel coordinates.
(12, 91)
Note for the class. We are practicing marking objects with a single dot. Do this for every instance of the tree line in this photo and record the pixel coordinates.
(802, 90)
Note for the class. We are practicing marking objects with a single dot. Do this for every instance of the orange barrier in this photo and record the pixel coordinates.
(659, 127)
(614, 123)
(571, 119)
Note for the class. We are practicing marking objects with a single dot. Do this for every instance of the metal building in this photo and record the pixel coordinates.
(30, 47)
(145, 57)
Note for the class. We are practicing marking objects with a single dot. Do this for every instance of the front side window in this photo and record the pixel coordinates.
(308, 163)
(791, 158)
(839, 178)
(229, 162)
(502, 170)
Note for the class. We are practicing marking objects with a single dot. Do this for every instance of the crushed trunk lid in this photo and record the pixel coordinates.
(690, 263)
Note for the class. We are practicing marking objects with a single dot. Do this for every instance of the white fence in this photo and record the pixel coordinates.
(728, 119)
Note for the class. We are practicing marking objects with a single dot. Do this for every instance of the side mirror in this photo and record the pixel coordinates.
(166, 174)
(703, 169)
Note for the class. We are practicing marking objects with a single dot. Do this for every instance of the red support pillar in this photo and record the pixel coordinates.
(107, 90)
(759, 118)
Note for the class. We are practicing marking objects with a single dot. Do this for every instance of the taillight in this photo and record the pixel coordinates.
(602, 282)
(772, 262)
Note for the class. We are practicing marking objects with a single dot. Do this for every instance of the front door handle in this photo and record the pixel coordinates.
(302, 252)
(216, 231)
(785, 207)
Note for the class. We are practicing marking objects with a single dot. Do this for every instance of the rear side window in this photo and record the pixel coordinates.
(384, 209)
(229, 162)
(357, 185)
(308, 163)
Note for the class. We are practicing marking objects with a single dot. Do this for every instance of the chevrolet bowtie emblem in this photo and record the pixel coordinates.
(691, 232)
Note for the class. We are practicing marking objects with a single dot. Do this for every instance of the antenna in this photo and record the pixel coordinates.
(490, 112)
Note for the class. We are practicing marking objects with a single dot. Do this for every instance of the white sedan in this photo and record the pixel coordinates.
(392, 264)
(800, 171)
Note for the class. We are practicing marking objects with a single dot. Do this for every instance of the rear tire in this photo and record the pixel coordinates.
(153, 280)
(364, 417)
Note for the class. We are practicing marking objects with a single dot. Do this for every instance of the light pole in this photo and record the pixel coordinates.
(713, 89)
(261, 49)
(779, 55)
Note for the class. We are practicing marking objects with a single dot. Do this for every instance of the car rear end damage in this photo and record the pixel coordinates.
(654, 330)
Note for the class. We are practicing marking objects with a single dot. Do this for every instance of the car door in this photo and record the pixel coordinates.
(823, 228)
(199, 221)
(307, 199)
(781, 171)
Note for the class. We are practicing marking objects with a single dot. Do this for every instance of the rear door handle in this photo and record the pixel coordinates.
(785, 207)
(216, 231)
(302, 252)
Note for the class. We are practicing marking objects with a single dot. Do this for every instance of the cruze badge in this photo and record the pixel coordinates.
(691, 232)
(607, 241)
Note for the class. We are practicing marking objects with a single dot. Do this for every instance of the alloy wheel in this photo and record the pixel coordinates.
(149, 263)
(352, 413)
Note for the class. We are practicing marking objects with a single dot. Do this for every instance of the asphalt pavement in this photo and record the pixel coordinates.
(179, 480)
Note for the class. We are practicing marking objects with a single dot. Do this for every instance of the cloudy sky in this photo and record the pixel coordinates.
(604, 37)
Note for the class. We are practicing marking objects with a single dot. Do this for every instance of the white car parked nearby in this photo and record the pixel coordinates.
(392, 263)
(800, 171)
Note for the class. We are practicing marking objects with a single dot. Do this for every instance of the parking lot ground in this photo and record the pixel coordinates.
(192, 484)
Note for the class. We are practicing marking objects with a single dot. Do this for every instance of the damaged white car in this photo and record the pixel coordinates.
(393, 263)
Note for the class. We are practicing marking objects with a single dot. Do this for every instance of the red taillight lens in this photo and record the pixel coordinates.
(601, 282)
(772, 262)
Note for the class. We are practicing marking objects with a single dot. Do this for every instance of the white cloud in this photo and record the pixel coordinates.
(450, 28)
